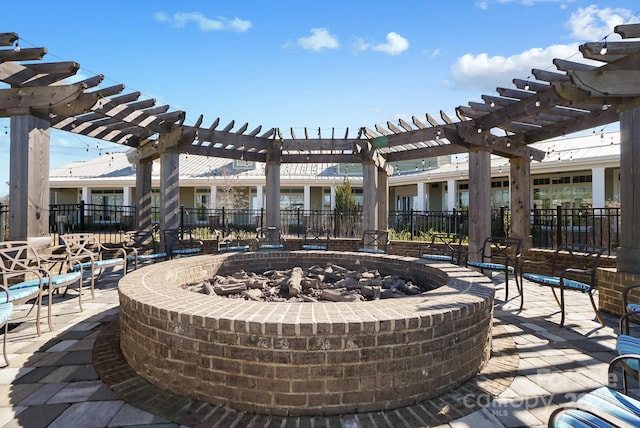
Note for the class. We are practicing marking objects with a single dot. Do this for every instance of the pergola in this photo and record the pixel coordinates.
(553, 103)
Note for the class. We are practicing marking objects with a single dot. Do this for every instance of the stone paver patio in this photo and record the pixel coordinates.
(55, 379)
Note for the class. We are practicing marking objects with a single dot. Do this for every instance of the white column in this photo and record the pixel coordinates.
(597, 187)
(260, 197)
(213, 203)
(126, 196)
(333, 197)
(421, 196)
(307, 198)
(452, 193)
(86, 195)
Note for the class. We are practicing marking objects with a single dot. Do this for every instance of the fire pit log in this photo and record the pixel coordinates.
(294, 281)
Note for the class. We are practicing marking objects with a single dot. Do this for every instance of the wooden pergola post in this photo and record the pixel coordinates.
(369, 195)
(628, 253)
(272, 176)
(169, 190)
(143, 194)
(29, 179)
(479, 200)
(382, 199)
(520, 194)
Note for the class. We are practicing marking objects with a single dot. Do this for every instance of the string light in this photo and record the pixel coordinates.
(538, 102)
(17, 47)
(492, 104)
(604, 49)
(605, 105)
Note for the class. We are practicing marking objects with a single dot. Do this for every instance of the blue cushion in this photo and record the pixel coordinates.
(234, 248)
(186, 251)
(6, 309)
(148, 256)
(628, 345)
(19, 292)
(55, 279)
(615, 403)
(99, 264)
(608, 402)
(554, 281)
(633, 307)
(490, 266)
(271, 247)
(439, 257)
(314, 247)
(371, 250)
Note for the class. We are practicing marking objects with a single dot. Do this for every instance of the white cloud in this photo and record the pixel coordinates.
(319, 39)
(395, 44)
(484, 4)
(592, 23)
(181, 19)
(482, 72)
(359, 45)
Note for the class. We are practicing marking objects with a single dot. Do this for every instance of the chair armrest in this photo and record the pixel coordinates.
(623, 324)
(625, 293)
(611, 378)
(585, 272)
(598, 413)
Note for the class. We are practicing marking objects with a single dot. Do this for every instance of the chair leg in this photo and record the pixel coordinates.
(49, 307)
(80, 293)
(595, 309)
(506, 285)
(4, 342)
(562, 305)
(520, 286)
(38, 311)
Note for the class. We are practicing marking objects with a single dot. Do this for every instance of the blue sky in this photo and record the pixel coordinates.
(298, 63)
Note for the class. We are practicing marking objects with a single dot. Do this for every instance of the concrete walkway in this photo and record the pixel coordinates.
(52, 379)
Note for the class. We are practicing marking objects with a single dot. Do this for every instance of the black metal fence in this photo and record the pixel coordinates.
(596, 226)
(549, 227)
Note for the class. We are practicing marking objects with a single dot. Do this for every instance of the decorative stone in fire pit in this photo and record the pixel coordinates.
(300, 358)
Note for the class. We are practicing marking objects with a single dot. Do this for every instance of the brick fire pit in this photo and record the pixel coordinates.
(305, 358)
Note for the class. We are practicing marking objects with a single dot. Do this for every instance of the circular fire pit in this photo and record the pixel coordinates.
(305, 358)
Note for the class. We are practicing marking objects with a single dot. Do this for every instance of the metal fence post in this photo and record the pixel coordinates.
(81, 216)
(559, 225)
(411, 224)
(181, 218)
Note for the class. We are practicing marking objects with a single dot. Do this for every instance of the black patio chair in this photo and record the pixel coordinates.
(500, 254)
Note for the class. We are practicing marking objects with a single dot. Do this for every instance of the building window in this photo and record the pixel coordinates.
(203, 202)
(565, 191)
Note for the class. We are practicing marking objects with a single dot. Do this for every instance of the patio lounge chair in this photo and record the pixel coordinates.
(603, 407)
(26, 276)
(443, 247)
(572, 267)
(315, 239)
(374, 241)
(500, 254)
(180, 243)
(269, 238)
(142, 247)
(85, 252)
